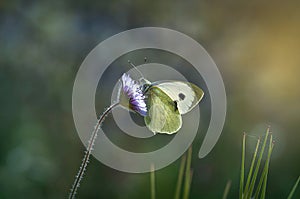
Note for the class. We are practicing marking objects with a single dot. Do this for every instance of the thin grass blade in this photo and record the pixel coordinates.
(264, 172)
(251, 169)
(180, 177)
(187, 182)
(261, 180)
(152, 181)
(262, 150)
(226, 190)
(242, 167)
(264, 188)
(294, 189)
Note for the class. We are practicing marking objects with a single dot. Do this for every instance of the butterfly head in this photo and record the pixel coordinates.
(145, 84)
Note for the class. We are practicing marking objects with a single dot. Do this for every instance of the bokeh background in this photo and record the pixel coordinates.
(255, 44)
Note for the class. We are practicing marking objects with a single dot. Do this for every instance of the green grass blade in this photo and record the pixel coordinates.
(180, 177)
(264, 188)
(251, 170)
(264, 172)
(262, 177)
(152, 181)
(242, 167)
(188, 174)
(294, 189)
(226, 190)
(253, 180)
(261, 180)
(191, 178)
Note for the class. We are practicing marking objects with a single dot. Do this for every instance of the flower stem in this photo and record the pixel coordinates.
(88, 152)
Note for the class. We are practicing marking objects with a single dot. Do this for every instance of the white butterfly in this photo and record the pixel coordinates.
(167, 101)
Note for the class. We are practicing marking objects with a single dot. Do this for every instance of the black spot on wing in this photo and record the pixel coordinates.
(175, 106)
(181, 96)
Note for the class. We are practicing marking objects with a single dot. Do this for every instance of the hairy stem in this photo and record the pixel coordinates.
(88, 152)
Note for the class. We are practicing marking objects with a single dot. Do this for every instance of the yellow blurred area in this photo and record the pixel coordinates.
(263, 55)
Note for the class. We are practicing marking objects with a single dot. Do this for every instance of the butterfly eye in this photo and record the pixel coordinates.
(145, 87)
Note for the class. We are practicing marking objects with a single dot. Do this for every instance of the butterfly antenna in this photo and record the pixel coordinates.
(136, 68)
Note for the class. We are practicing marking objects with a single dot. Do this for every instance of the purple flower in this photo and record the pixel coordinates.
(131, 95)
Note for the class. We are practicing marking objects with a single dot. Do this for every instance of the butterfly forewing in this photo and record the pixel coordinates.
(186, 95)
(163, 115)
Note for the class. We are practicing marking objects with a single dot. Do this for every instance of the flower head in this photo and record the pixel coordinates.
(131, 95)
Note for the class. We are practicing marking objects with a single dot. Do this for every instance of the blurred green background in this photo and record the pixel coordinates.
(255, 44)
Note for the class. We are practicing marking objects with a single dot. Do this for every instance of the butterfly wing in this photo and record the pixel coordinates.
(163, 115)
(186, 94)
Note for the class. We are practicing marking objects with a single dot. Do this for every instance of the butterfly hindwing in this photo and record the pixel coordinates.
(187, 95)
(163, 114)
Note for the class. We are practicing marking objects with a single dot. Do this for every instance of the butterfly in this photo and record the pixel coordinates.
(166, 101)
